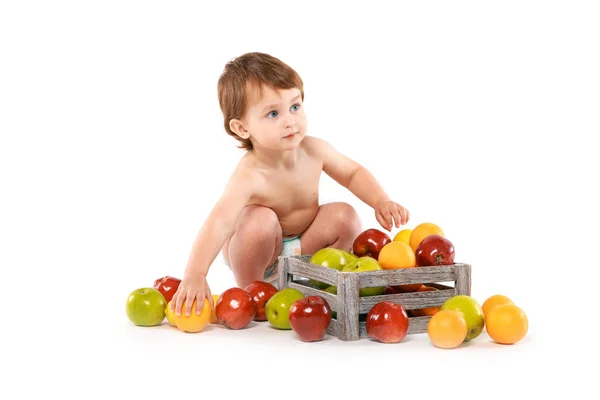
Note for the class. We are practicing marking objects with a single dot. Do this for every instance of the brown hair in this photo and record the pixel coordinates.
(251, 70)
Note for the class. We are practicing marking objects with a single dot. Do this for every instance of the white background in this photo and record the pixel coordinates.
(475, 115)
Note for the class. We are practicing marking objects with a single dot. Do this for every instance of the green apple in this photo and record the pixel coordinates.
(278, 307)
(331, 258)
(350, 257)
(471, 310)
(363, 264)
(331, 289)
(146, 307)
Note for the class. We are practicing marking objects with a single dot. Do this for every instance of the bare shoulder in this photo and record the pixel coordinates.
(244, 180)
(317, 147)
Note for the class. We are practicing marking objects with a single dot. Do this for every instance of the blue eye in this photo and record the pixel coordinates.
(295, 107)
(272, 114)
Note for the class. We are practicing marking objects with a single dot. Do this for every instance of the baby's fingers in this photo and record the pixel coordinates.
(200, 298)
(210, 298)
(402, 214)
(189, 301)
(178, 302)
(383, 221)
(397, 216)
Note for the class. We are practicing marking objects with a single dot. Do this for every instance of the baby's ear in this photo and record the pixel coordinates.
(237, 127)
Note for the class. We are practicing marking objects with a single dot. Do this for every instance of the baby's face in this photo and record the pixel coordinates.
(276, 121)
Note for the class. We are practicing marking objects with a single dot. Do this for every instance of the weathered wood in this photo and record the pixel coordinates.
(283, 270)
(313, 271)
(410, 301)
(332, 299)
(404, 276)
(463, 279)
(348, 288)
(333, 328)
(296, 272)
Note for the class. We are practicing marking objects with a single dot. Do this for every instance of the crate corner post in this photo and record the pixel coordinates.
(349, 301)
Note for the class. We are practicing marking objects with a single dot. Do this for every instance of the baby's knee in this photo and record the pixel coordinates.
(346, 216)
(259, 223)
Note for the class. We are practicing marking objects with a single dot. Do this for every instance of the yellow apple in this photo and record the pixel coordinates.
(403, 236)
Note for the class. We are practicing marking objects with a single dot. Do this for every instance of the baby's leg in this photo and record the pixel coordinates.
(254, 246)
(336, 225)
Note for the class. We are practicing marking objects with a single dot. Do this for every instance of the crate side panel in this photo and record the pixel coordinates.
(463, 279)
(404, 276)
(310, 291)
(410, 301)
(333, 328)
(311, 271)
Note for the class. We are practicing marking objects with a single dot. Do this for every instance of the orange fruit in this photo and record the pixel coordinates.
(213, 316)
(413, 287)
(396, 255)
(194, 322)
(403, 236)
(423, 230)
(447, 329)
(506, 324)
(428, 311)
(494, 301)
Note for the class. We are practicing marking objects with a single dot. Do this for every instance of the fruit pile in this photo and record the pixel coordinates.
(372, 250)
(235, 308)
(458, 320)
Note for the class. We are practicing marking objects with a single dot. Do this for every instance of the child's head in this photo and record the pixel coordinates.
(244, 82)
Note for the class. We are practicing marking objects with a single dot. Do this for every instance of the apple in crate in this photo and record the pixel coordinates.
(278, 307)
(364, 264)
(434, 250)
(387, 322)
(309, 318)
(235, 308)
(331, 258)
(370, 242)
(261, 292)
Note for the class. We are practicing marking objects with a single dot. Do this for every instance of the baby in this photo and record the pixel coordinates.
(270, 205)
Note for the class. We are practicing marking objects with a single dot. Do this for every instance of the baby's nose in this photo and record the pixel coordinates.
(289, 123)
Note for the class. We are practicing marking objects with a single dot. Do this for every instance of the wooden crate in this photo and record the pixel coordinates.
(296, 272)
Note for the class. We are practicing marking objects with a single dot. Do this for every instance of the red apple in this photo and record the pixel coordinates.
(309, 318)
(387, 322)
(235, 308)
(391, 290)
(261, 292)
(168, 286)
(402, 288)
(434, 250)
(369, 243)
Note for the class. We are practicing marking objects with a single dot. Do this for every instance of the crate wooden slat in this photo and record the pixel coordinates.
(296, 272)
(405, 276)
(310, 291)
(410, 301)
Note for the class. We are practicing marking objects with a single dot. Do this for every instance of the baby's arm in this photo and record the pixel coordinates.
(360, 182)
(218, 227)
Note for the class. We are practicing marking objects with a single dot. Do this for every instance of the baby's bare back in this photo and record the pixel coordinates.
(292, 192)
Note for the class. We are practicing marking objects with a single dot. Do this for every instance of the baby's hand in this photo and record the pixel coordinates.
(390, 214)
(190, 289)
